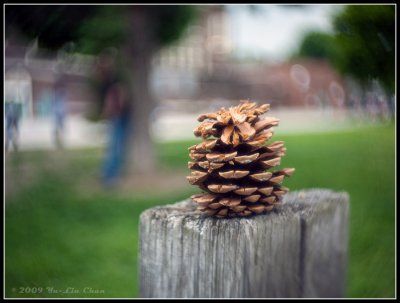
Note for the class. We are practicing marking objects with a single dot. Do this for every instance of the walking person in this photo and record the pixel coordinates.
(12, 115)
(116, 109)
(59, 111)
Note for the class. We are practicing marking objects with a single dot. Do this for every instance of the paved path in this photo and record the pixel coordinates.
(36, 134)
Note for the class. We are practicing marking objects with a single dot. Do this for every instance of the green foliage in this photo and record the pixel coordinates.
(61, 231)
(366, 36)
(107, 28)
(362, 45)
(318, 45)
(172, 20)
(53, 25)
(93, 27)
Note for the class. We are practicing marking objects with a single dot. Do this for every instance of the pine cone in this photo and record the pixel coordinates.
(230, 164)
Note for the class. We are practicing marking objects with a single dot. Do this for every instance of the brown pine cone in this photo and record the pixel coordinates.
(231, 163)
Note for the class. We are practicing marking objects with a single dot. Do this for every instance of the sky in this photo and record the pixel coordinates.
(273, 32)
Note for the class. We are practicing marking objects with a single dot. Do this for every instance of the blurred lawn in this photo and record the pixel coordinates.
(63, 233)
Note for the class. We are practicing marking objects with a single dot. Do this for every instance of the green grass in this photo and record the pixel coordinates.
(64, 234)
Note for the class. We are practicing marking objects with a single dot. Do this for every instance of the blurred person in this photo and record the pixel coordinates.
(372, 107)
(384, 109)
(12, 115)
(116, 105)
(44, 103)
(59, 112)
(356, 108)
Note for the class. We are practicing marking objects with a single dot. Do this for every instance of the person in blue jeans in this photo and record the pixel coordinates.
(116, 108)
(12, 115)
(59, 112)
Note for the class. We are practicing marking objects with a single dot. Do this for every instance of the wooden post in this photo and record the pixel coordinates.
(296, 251)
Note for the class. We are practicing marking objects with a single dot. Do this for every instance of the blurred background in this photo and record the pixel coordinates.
(73, 73)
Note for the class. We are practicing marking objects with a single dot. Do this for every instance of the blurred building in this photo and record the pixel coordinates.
(301, 83)
(201, 67)
(30, 75)
(205, 46)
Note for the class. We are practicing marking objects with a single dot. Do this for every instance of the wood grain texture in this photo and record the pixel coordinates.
(298, 250)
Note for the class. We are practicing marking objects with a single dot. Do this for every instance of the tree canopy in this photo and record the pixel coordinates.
(362, 45)
(366, 36)
(318, 45)
(92, 27)
(53, 25)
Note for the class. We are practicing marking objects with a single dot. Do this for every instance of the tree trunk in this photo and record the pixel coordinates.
(141, 48)
(142, 150)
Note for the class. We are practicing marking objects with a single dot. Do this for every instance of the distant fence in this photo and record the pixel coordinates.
(297, 251)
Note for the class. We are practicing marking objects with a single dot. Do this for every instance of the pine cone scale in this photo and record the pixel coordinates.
(246, 159)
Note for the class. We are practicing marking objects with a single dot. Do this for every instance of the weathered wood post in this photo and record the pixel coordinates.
(298, 250)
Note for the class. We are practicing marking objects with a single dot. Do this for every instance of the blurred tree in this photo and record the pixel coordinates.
(139, 31)
(365, 35)
(150, 28)
(362, 45)
(318, 45)
(53, 25)
(108, 27)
